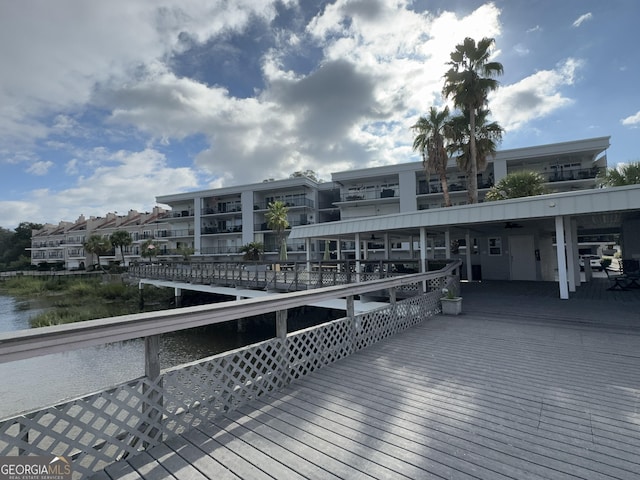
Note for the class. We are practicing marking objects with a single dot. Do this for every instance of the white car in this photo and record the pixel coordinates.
(594, 261)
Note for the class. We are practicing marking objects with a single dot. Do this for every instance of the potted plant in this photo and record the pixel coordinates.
(451, 304)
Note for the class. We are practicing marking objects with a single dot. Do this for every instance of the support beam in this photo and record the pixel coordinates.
(307, 247)
(387, 247)
(447, 244)
(423, 255)
(358, 253)
(576, 251)
(571, 254)
(177, 293)
(339, 253)
(469, 247)
(562, 263)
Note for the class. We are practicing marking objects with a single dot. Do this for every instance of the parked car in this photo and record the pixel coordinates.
(593, 260)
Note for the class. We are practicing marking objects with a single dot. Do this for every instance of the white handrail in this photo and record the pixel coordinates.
(59, 338)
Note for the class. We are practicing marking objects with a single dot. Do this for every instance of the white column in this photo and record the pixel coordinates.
(197, 225)
(423, 255)
(467, 240)
(423, 249)
(576, 251)
(571, 263)
(387, 248)
(358, 257)
(339, 253)
(562, 263)
(307, 247)
(447, 244)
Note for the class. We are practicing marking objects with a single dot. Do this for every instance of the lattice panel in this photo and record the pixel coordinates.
(197, 392)
(314, 347)
(93, 431)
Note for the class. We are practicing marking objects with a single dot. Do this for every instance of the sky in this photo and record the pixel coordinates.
(106, 105)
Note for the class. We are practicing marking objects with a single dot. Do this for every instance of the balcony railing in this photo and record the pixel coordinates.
(290, 203)
(222, 208)
(221, 250)
(216, 230)
(372, 194)
(570, 175)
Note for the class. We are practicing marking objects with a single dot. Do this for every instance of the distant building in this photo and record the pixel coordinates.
(64, 243)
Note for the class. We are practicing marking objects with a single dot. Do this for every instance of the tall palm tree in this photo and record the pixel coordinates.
(277, 221)
(431, 132)
(98, 245)
(121, 239)
(467, 83)
(487, 137)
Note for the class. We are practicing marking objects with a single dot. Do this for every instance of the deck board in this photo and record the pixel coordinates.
(550, 393)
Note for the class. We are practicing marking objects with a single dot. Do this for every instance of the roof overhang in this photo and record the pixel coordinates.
(599, 207)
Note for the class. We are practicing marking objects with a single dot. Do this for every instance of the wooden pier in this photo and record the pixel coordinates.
(531, 388)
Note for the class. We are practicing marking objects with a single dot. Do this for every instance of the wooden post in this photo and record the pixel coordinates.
(281, 324)
(392, 296)
(141, 300)
(152, 406)
(352, 319)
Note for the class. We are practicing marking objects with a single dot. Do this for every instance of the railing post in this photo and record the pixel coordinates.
(153, 402)
(392, 296)
(354, 323)
(281, 324)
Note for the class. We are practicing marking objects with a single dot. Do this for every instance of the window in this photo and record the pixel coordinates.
(495, 246)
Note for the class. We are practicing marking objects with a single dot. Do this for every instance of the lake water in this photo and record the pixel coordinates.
(42, 381)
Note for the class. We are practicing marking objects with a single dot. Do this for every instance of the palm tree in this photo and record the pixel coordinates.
(277, 221)
(517, 185)
(468, 82)
(121, 239)
(623, 174)
(431, 132)
(487, 138)
(149, 249)
(252, 251)
(98, 245)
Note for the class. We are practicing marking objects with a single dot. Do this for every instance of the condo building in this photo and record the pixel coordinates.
(214, 224)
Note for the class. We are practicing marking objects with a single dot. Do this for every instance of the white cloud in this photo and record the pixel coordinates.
(632, 121)
(40, 168)
(123, 180)
(55, 53)
(535, 96)
(582, 18)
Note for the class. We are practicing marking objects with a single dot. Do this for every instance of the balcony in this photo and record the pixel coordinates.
(290, 203)
(181, 233)
(210, 230)
(369, 194)
(220, 250)
(222, 208)
(571, 175)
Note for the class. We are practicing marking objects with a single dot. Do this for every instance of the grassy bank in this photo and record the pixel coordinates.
(67, 300)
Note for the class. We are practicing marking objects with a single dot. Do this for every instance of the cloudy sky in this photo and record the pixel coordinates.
(106, 104)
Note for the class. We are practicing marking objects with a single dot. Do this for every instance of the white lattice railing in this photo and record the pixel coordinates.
(98, 429)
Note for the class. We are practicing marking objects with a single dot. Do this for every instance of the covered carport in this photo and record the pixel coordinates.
(520, 237)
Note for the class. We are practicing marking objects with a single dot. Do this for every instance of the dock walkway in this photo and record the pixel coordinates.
(521, 386)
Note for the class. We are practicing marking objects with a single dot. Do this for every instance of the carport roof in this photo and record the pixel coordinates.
(591, 207)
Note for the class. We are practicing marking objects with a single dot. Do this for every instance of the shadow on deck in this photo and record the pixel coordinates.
(522, 385)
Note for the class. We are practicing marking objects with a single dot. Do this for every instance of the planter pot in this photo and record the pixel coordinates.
(451, 306)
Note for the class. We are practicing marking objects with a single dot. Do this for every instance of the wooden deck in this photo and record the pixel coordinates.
(543, 392)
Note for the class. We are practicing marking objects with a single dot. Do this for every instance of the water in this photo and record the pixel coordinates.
(42, 381)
